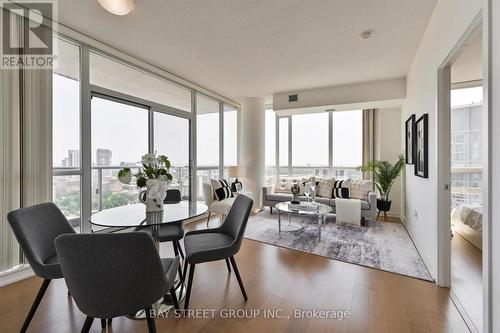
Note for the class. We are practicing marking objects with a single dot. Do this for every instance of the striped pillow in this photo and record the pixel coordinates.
(341, 188)
(222, 190)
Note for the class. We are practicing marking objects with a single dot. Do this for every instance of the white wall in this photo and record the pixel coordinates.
(383, 90)
(448, 23)
(388, 147)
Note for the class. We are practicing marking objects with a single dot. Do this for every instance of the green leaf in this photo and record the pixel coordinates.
(123, 172)
(141, 182)
(384, 174)
(165, 160)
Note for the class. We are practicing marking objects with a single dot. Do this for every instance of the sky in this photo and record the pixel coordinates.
(310, 139)
(124, 130)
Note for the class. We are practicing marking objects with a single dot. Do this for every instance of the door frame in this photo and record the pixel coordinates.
(443, 133)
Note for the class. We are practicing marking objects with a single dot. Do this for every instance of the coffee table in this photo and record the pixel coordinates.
(319, 214)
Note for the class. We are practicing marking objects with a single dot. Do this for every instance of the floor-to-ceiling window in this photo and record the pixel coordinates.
(347, 144)
(119, 138)
(283, 145)
(326, 144)
(171, 138)
(109, 112)
(66, 147)
(207, 141)
(230, 136)
(216, 140)
(135, 113)
(310, 144)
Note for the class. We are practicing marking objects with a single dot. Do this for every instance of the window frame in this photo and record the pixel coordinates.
(86, 91)
(289, 167)
(220, 167)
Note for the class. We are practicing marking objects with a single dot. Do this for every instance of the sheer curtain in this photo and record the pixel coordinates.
(25, 143)
(368, 139)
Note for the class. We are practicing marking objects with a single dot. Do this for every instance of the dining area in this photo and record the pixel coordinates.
(119, 269)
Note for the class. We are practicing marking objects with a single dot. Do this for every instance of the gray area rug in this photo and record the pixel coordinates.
(381, 245)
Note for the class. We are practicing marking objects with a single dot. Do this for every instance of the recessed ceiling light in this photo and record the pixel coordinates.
(117, 7)
(366, 34)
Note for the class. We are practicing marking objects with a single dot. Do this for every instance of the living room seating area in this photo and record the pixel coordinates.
(325, 193)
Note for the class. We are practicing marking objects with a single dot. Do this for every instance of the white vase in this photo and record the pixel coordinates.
(154, 195)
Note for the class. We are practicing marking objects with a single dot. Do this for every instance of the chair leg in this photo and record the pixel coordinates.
(87, 324)
(183, 278)
(271, 210)
(235, 268)
(208, 218)
(174, 298)
(103, 323)
(180, 249)
(189, 286)
(151, 320)
(176, 252)
(35, 304)
(228, 265)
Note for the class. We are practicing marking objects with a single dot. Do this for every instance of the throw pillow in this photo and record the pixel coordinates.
(325, 187)
(283, 185)
(341, 188)
(222, 190)
(360, 189)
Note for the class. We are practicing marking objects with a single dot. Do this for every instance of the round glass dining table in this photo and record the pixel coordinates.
(135, 216)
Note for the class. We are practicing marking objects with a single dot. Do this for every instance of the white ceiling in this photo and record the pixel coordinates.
(241, 48)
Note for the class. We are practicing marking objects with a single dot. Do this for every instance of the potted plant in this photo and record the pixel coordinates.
(384, 176)
(154, 175)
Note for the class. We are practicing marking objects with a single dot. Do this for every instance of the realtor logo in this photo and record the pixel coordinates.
(27, 28)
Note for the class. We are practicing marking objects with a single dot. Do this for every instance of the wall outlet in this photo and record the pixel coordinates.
(415, 213)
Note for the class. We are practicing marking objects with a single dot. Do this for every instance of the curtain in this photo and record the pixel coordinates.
(10, 154)
(368, 139)
(25, 143)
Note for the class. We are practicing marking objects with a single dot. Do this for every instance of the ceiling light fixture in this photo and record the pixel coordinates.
(366, 34)
(117, 7)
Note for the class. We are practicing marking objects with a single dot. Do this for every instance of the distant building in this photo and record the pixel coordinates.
(103, 157)
(72, 160)
(466, 155)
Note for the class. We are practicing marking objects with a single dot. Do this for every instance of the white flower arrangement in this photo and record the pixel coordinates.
(153, 169)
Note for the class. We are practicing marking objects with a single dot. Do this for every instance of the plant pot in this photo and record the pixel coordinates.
(384, 205)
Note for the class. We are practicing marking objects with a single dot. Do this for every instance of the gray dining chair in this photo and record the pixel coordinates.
(220, 243)
(112, 275)
(170, 232)
(36, 227)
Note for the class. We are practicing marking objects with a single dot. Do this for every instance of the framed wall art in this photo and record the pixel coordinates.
(410, 140)
(421, 147)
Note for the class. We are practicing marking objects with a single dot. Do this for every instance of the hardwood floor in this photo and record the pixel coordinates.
(275, 278)
(466, 278)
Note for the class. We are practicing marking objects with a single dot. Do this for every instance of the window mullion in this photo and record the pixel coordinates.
(86, 141)
(290, 145)
(330, 142)
(221, 141)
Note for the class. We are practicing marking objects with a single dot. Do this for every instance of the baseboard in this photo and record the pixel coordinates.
(403, 220)
(15, 274)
